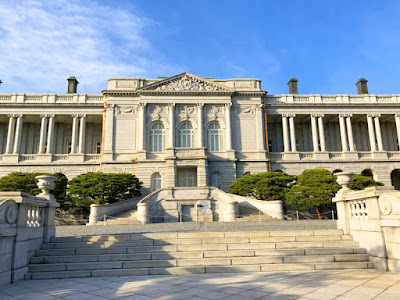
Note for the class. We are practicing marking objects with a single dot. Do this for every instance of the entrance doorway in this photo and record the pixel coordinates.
(187, 177)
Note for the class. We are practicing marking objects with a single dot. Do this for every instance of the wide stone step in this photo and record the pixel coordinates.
(194, 241)
(162, 254)
(185, 235)
(148, 262)
(200, 269)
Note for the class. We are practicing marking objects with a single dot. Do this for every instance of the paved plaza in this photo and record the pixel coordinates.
(340, 284)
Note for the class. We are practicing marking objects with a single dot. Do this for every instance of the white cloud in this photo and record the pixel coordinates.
(45, 42)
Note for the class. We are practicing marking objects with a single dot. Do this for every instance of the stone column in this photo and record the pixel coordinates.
(43, 132)
(228, 126)
(314, 133)
(200, 123)
(171, 108)
(292, 133)
(82, 135)
(50, 135)
(259, 109)
(321, 132)
(142, 120)
(18, 135)
(10, 134)
(74, 133)
(285, 134)
(343, 133)
(350, 133)
(378, 132)
(109, 132)
(397, 119)
(371, 132)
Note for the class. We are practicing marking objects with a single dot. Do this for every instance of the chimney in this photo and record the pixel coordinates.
(72, 85)
(293, 86)
(362, 86)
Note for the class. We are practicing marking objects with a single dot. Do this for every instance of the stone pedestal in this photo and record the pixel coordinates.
(143, 213)
(350, 155)
(379, 155)
(324, 156)
(292, 156)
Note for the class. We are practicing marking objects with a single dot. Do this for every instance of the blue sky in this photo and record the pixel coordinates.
(327, 45)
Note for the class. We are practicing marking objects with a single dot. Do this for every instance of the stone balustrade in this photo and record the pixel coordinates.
(50, 98)
(331, 99)
(372, 217)
(26, 222)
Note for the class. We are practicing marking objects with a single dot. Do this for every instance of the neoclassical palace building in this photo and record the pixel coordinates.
(191, 131)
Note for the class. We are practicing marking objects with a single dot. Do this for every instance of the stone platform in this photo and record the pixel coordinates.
(320, 285)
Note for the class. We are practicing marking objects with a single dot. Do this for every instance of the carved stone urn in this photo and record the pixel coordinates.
(344, 179)
(46, 184)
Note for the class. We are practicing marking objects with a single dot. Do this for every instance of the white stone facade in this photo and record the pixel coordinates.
(191, 131)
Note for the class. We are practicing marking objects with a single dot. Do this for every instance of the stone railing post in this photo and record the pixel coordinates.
(344, 179)
(230, 213)
(143, 213)
(46, 184)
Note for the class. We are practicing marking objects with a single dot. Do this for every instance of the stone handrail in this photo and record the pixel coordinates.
(26, 222)
(372, 217)
(97, 211)
(273, 208)
(228, 202)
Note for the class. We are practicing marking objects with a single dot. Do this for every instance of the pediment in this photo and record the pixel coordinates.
(185, 82)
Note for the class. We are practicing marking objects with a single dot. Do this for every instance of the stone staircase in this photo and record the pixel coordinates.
(199, 252)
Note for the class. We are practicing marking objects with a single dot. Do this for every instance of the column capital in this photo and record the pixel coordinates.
(44, 115)
(259, 106)
(110, 105)
(11, 115)
(82, 115)
(200, 105)
(172, 105)
(142, 104)
(317, 115)
(373, 115)
(345, 115)
(51, 115)
(228, 105)
(75, 116)
(18, 115)
(288, 115)
(397, 115)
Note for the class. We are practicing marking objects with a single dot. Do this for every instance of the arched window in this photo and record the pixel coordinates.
(157, 137)
(185, 135)
(216, 179)
(214, 137)
(156, 182)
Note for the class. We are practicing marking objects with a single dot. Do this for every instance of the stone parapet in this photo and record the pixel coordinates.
(26, 222)
(372, 217)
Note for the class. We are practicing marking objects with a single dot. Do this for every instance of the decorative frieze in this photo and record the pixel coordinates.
(125, 109)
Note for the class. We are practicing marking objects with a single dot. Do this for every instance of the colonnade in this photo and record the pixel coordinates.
(346, 132)
(47, 132)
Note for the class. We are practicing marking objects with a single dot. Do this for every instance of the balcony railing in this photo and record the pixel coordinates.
(50, 98)
(92, 157)
(189, 152)
(367, 98)
(334, 155)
